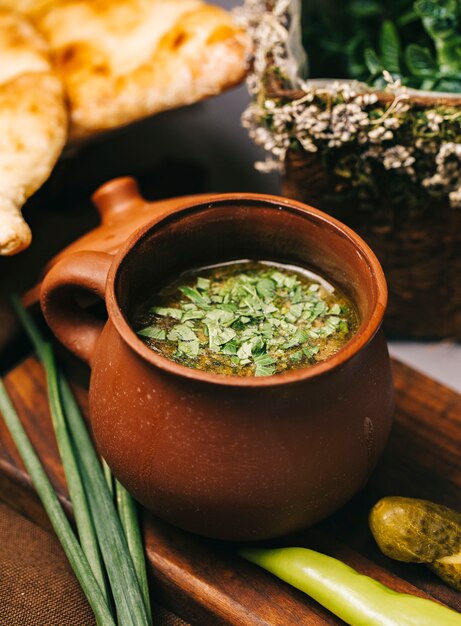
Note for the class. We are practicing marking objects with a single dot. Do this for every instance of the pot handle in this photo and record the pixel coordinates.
(77, 329)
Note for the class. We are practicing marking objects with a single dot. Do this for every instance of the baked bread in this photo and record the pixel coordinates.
(122, 60)
(116, 61)
(33, 124)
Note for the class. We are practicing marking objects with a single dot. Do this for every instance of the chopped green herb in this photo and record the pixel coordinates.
(189, 348)
(320, 308)
(248, 319)
(311, 351)
(297, 356)
(192, 314)
(230, 347)
(265, 365)
(258, 346)
(279, 278)
(244, 353)
(182, 332)
(154, 332)
(265, 288)
(195, 296)
(203, 283)
(167, 312)
(296, 311)
(300, 336)
(222, 316)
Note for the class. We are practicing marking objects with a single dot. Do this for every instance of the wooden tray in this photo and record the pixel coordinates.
(204, 581)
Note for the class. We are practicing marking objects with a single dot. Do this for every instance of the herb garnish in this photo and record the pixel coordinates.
(247, 318)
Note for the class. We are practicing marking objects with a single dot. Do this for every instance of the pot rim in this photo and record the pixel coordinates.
(367, 329)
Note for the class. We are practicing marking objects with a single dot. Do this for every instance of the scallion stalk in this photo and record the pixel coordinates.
(52, 506)
(114, 547)
(129, 518)
(108, 476)
(83, 519)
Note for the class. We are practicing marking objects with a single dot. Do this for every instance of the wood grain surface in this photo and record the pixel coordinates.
(204, 581)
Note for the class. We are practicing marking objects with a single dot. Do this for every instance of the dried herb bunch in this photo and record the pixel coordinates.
(370, 142)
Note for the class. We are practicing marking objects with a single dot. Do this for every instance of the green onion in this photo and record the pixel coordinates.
(114, 548)
(61, 526)
(108, 477)
(129, 518)
(83, 520)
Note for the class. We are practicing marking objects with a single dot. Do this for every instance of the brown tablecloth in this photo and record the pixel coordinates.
(37, 585)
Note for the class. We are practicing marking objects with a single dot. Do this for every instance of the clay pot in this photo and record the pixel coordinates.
(224, 456)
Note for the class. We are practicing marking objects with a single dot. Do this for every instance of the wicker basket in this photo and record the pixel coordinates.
(420, 252)
(420, 249)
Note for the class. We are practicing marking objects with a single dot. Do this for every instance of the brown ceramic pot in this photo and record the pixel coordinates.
(225, 456)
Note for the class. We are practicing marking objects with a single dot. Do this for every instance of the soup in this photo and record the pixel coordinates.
(247, 318)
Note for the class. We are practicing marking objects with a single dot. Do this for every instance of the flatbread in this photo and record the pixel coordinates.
(122, 60)
(33, 124)
(115, 61)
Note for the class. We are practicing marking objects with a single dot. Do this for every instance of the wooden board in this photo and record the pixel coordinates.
(204, 581)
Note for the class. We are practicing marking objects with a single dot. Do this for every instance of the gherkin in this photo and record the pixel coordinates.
(419, 531)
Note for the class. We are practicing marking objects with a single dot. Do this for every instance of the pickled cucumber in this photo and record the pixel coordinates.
(419, 531)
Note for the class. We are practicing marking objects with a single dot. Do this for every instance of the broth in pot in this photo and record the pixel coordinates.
(247, 318)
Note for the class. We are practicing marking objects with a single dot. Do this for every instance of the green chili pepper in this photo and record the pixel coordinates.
(355, 598)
